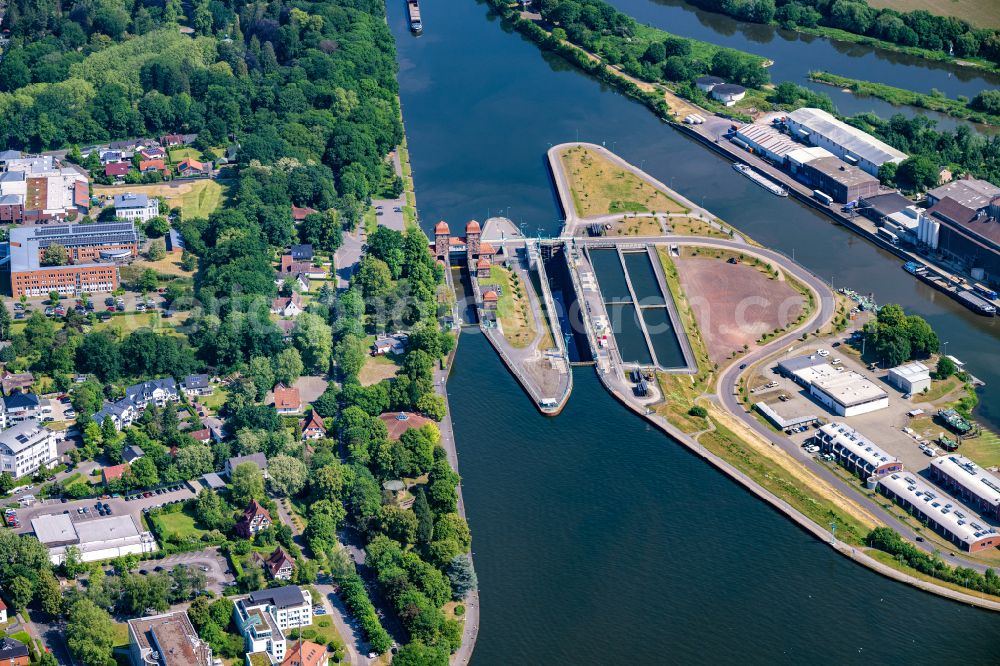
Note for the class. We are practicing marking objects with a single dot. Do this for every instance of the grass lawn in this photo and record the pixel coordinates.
(939, 389)
(121, 634)
(513, 309)
(324, 629)
(600, 187)
(377, 368)
(179, 524)
(636, 226)
(169, 265)
(131, 321)
(980, 13)
(214, 401)
(692, 226)
(196, 199)
(983, 450)
(180, 153)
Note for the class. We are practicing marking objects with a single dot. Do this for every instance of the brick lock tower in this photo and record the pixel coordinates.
(472, 234)
(442, 240)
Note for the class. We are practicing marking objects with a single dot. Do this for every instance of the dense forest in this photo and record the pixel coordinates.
(917, 28)
(311, 83)
(645, 52)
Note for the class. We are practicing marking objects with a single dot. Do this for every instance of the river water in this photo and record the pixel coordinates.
(795, 55)
(598, 540)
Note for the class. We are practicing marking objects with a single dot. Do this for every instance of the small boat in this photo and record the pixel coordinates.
(768, 185)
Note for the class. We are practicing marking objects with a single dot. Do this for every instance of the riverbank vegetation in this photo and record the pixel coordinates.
(983, 108)
(916, 32)
(638, 60)
(930, 149)
(904, 552)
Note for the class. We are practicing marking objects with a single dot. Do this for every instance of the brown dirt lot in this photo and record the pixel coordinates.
(735, 304)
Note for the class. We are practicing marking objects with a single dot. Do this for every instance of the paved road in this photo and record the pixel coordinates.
(470, 629)
(209, 561)
(354, 644)
(346, 259)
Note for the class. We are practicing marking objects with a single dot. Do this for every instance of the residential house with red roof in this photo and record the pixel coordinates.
(287, 400)
(278, 564)
(312, 427)
(255, 519)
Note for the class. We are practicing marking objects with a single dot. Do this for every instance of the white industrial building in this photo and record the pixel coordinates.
(911, 377)
(848, 143)
(855, 451)
(844, 392)
(728, 93)
(25, 447)
(136, 207)
(94, 538)
(766, 141)
(939, 511)
(973, 485)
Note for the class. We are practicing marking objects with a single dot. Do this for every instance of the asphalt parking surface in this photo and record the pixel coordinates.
(119, 506)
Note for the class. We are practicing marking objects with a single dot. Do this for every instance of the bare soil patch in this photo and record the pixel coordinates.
(734, 304)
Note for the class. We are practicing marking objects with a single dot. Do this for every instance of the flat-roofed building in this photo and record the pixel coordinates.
(136, 206)
(36, 189)
(767, 141)
(94, 538)
(910, 377)
(167, 640)
(855, 451)
(264, 616)
(939, 511)
(844, 392)
(841, 180)
(846, 142)
(91, 248)
(970, 483)
(970, 192)
(964, 235)
(25, 447)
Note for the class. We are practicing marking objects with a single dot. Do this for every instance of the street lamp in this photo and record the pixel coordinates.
(945, 348)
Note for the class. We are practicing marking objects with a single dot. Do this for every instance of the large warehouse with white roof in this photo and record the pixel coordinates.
(846, 142)
(95, 538)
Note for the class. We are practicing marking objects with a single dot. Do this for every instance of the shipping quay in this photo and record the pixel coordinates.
(759, 147)
(615, 283)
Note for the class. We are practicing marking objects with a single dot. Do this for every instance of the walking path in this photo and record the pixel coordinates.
(470, 629)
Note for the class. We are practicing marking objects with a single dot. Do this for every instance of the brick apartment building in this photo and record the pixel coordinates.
(93, 250)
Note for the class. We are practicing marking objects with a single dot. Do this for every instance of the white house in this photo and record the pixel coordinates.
(197, 385)
(25, 447)
(264, 616)
(136, 207)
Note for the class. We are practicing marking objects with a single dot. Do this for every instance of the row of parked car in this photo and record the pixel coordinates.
(150, 493)
(10, 518)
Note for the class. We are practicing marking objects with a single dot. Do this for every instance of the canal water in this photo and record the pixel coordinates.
(597, 539)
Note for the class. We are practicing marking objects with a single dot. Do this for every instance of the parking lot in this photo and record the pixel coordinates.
(128, 302)
(86, 509)
(885, 427)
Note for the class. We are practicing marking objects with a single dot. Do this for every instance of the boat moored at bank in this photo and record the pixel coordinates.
(767, 184)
